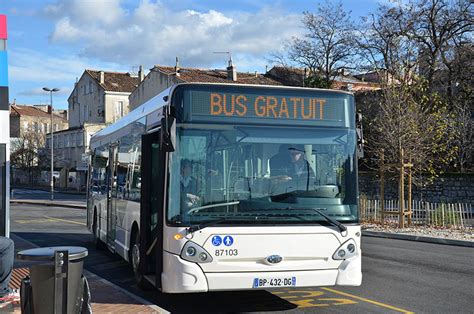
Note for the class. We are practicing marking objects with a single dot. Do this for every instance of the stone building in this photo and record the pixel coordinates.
(99, 98)
(28, 128)
(33, 118)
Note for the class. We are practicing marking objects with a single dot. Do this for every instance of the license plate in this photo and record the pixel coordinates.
(274, 282)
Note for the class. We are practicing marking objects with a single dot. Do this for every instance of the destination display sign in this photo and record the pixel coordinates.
(263, 106)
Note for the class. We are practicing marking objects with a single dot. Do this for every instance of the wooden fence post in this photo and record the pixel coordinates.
(382, 186)
(401, 191)
(409, 165)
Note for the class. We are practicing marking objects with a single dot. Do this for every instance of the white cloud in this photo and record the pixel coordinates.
(152, 34)
(32, 66)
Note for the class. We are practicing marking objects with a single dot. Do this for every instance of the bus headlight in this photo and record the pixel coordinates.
(346, 250)
(193, 252)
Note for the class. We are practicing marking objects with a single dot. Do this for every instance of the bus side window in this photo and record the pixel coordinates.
(134, 175)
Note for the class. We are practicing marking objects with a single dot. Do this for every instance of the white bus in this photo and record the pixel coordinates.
(211, 187)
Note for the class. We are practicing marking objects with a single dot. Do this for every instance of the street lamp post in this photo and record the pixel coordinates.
(51, 91)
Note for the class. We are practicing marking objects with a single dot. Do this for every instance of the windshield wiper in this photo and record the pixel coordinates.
(206, 224)
(197, 209)
(333, 221)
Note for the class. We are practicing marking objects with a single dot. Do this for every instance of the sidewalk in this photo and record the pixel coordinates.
(449, 236)
(106, 297)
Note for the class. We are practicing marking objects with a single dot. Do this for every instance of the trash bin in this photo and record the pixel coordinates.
(7, 254)
(48, 275)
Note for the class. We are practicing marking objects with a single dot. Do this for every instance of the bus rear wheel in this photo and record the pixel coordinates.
(134, 260)
(98, 244)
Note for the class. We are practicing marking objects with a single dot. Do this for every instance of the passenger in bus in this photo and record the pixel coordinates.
(189, 186)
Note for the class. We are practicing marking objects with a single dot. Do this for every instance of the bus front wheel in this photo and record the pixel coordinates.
(134, 259)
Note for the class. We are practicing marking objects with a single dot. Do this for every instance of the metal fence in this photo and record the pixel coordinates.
(458, 215)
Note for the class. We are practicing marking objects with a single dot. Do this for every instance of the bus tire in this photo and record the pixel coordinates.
(98, 244)
(134, 259)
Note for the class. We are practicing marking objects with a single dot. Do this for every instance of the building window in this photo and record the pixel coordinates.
(36, 128)
(80, 139)
(118, 109)
(25, 125)
(84, 114)
(90, 87)
(45, 126)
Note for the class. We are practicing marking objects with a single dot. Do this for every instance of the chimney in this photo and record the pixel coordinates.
(176, 67)
(141, 75)
(231, 71)
(101, 77)
(49, 109)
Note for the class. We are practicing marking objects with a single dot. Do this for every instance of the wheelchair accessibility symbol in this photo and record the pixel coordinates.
(216, 240)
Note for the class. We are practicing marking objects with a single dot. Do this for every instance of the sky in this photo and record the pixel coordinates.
(51, 42)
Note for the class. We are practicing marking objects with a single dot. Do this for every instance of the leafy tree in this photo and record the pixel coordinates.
(410, 118)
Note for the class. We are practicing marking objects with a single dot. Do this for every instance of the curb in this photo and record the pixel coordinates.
(90, 274)
(47, 203)
(137, 298)
(408, 237)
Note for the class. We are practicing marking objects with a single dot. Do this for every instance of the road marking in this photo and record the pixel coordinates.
(369, 301)
(311, 298)
(65, 220)
(306, 294)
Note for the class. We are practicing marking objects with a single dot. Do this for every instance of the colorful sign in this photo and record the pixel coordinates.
(268, 106)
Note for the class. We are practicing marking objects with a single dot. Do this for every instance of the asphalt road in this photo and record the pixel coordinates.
(399, 276)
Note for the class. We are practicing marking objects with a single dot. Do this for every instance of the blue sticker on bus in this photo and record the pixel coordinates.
(255, 283)
(216, 240)
(228, 240)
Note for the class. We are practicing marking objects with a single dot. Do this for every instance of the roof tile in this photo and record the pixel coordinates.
(32, 111)
(116, 81)
(191, 75)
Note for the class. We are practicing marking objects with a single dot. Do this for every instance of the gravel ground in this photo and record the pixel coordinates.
(465, 234)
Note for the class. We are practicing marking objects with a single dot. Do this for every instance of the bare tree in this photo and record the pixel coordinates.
(25, 152)
(384, 46)
(327, 47)
(438, 26)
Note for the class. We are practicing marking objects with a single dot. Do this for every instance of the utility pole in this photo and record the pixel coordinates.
(51, 91)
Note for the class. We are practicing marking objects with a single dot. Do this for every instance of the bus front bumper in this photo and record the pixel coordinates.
(180, 276)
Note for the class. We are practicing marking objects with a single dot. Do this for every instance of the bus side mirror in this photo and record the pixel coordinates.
(168, 134)
(360, 135)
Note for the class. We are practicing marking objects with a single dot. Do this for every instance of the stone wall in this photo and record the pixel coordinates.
(448, 188)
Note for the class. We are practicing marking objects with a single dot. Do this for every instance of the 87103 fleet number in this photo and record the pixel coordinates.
(226, 252)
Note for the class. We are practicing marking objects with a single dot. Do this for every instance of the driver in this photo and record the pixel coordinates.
(188, 183)
(291, 163)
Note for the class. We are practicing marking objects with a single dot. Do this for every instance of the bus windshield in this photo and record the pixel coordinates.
(262, 174)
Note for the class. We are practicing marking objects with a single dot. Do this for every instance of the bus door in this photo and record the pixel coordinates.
(112, 194)
(151, 209)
